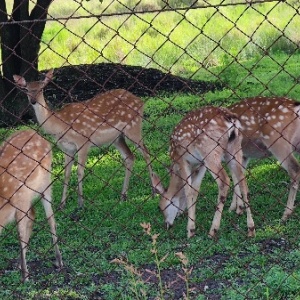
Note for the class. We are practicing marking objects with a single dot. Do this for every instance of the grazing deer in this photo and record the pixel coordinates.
(200, 142)
(106, 118)
(25, 172)
(270, 126)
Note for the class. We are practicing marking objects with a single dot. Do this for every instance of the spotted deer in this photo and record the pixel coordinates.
(199, 142)
(107, 118)
(270, 126)
(25, 173)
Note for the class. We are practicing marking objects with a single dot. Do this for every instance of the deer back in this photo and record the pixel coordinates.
(25, 160)
(112, 112)
(201, 131)
(268, 119)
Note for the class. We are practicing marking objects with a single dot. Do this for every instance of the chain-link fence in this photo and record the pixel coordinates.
(137, 99)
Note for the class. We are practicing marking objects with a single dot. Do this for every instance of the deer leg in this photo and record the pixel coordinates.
(237, 204)
(69, 160)
(240, 186)
(144, 150)
(24, 223)
(82, 157)
(293, 168)
(7, 215)
(46, 200)
(197, 177)
(284, 154)
(136, 137)
(213, 164)
(128, 158)
(191, 196)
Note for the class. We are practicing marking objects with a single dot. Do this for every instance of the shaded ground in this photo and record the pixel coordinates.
(212, 289)
(76, 83)
(172, 278)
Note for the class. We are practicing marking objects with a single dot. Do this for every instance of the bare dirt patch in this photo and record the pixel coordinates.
(77, 83)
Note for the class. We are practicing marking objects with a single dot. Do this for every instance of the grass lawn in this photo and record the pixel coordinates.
(106, 252)
(108, 255)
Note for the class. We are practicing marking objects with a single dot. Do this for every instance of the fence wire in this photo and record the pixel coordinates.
(137, 99)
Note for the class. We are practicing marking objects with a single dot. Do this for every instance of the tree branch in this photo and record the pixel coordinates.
(40, 10)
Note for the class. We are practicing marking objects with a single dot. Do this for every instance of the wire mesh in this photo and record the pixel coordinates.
(116, 63)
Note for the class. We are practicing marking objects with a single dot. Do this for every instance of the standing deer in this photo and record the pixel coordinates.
(200, 142)
(270, 126)
(106, 118)
(25, 172)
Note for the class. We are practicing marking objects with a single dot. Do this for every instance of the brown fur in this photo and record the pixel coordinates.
(271, 126)
(105, 119)
(199, 142)
(25, 173)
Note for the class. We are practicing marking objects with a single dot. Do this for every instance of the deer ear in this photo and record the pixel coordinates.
(159, 189)
(19, 80)
(48, 76)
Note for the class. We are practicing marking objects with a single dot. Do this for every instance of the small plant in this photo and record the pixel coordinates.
(136, 277)
(154, 251)
(187, 272)
(136, 282)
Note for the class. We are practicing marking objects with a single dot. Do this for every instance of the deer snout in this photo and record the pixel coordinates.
(32, 100)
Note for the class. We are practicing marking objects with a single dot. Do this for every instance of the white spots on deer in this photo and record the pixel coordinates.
(277, 130)
(283, 109)
(21, 182)
(266, 137)
(251, 119)
(197, 147)
(108, 117)
(277, 125)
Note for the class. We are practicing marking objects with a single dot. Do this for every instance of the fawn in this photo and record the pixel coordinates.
(106, 118)
(199, 142)
(270, 126)
(25, 172)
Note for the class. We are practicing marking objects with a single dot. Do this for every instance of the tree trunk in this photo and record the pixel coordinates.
(20, 45)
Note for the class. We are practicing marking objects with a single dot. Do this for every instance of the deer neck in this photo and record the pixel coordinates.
(176, 186)
(46, 117)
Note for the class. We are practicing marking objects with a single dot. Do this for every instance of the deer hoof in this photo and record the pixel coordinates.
(168, 225)
(251, 232)
(123, 197)
(213, 233)
(191, 233)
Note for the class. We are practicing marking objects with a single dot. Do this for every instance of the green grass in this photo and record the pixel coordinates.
(242, 33)
(232, 267)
